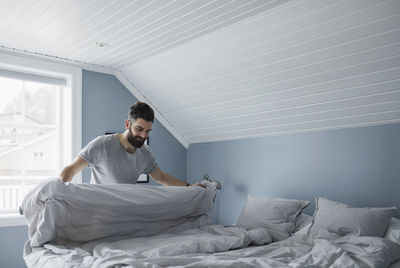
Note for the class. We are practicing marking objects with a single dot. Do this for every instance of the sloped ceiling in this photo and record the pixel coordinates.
(113, 33)
(219, 70)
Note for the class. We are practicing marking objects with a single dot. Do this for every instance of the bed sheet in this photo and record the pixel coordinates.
(395, 265)
(218, 246)
(132, 226)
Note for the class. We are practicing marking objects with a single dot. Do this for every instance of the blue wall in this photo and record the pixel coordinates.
(12, 240)
(106, 104)
(358, 166)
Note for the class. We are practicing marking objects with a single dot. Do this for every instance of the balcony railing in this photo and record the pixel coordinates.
(11, 196)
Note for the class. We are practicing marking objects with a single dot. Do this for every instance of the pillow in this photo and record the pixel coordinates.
(393, 231)
(343, 219)
(302, 221)
(276, 215)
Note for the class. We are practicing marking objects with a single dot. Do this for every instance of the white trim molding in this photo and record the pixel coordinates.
(56, 60)
(72, 121)
(8, 220)
(136, 92)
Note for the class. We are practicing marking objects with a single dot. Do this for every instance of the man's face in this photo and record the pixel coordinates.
(139, 130)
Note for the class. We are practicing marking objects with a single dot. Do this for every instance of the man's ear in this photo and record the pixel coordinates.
(127, 124)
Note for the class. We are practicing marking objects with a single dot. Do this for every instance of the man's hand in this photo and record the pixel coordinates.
(198, 184)
(70, 171)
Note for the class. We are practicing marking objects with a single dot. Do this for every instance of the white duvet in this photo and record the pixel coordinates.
(84, 212)
(188, 239)
(193, 248)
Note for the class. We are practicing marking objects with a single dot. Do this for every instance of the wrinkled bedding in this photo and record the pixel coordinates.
(218, 246)
(179, 235)
(84, 212)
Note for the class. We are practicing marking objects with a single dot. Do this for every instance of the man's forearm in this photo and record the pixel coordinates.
(165, 179)
(172, 181)
(71, 170)
(66, 175)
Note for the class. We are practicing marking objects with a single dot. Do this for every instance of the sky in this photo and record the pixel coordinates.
(9, 88)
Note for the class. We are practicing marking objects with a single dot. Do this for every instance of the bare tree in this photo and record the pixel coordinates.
(40, 104)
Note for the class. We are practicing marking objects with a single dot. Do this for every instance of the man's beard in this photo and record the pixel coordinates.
(135, 141)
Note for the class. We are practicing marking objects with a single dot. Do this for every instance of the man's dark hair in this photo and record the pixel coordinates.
(141, 110)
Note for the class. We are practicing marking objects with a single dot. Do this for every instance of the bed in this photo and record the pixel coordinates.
(82, 225)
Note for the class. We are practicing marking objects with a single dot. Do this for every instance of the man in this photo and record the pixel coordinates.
(122, 157)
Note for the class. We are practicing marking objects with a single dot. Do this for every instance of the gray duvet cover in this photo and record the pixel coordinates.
(176, 233)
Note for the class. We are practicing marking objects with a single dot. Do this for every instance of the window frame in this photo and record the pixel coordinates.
(72, 113)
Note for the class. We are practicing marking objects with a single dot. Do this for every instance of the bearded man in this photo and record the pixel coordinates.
(122, 157)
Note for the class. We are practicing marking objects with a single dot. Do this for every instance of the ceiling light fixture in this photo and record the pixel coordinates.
(102, 44)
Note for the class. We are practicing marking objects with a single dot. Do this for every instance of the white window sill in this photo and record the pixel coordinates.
(8, 220)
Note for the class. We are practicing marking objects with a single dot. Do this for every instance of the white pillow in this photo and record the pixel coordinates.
(393, 231)
(342, 219)
(276, 215)
(302, 221)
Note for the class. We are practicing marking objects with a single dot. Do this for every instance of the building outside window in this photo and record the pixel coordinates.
(36, 132)
(30, 117)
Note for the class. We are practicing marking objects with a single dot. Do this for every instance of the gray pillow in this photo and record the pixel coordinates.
(276, 215)
(344, 220)
(302, 221)
(393, 231)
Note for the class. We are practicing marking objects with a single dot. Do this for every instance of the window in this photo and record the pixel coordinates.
(39, 127)
(38, 156)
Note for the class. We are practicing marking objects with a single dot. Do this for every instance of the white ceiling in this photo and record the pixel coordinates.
(133, 29)
(219, 70)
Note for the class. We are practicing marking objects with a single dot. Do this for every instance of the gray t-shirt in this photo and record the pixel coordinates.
(111, 163)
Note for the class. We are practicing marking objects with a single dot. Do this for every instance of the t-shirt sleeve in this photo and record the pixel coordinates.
(91, 151)
(150, 161)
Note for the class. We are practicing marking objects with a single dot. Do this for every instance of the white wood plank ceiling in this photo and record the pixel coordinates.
(219, 70)
(115, 32)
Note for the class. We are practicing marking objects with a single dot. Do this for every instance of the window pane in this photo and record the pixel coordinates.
(41, 154)
(40, 103)
(10, 100)
(29, 146)
(11, 191)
